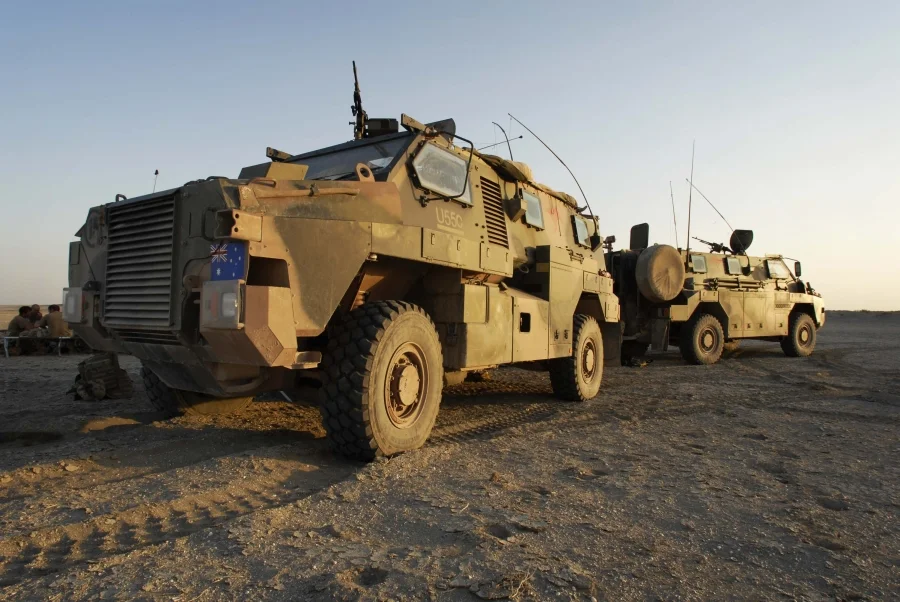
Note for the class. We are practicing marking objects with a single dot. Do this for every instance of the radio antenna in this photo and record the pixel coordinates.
(710, 204)
(508, 145)
(690, 190)
(359, 126)
(499, 143)
(587, 204)
(155, 177)
(674, 219)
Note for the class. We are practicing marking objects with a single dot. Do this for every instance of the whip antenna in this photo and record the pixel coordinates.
(710, 204)
(508, 145)
(690, 190)
(674, 219)
(584, 196)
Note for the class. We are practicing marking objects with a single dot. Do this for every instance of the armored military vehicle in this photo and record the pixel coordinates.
(705, 301)
(382, 267)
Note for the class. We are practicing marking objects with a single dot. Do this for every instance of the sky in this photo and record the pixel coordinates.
(793, 107)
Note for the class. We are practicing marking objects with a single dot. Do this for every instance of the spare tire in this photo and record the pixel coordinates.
(660, 273)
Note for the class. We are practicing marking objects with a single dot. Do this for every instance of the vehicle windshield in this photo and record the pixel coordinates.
(338, 162)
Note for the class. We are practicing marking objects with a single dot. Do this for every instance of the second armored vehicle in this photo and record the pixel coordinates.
(703, 301)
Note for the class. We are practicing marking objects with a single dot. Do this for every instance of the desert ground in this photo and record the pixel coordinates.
(760, 478)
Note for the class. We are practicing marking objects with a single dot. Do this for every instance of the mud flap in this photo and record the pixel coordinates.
(612, 342)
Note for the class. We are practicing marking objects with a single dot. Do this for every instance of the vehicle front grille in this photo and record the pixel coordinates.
(494, 217)
(139, 263)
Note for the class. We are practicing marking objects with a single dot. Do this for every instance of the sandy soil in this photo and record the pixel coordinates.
(762, 478)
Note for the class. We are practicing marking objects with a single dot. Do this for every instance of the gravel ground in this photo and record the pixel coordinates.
(760, 478)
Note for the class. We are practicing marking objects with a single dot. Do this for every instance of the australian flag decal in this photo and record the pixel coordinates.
(227, 261)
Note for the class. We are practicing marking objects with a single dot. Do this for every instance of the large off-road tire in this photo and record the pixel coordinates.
(702, 340)
(578, 377)
(173, 402)
(801, 338)
(382, 375)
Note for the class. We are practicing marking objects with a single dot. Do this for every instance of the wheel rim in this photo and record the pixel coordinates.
(804, 335)
(708, 339)
(406, 385)
(588, 360)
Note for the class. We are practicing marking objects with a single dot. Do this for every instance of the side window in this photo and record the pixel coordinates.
(533, 214)
(699, 264)
(733, 266)
(777, 269)
(581, 231)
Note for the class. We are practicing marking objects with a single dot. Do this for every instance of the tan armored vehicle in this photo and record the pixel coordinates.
(705, 301)
(382, 267)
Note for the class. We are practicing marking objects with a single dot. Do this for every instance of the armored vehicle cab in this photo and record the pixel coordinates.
(382, 267)
(703, 301)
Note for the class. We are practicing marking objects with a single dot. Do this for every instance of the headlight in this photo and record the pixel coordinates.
(220, 304)
(229, 305)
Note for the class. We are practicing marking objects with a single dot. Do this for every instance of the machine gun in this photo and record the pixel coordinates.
(359, 127)
(714, 247)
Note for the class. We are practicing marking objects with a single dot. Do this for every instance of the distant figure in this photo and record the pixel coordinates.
(20, 323)
(54, 321)
(35, 314)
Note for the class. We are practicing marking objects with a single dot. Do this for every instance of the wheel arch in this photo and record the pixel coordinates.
(611, 327)
(807, 308)
(716, 310)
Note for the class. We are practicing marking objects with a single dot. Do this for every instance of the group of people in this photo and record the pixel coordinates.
(31, 324)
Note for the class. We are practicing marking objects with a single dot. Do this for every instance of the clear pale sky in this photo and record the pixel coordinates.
(795, 108)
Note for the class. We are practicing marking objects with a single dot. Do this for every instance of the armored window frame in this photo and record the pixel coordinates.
(698, 264)
(534, 210)
(580, 229)
(781, 272)
(432, 152)
(733, 266)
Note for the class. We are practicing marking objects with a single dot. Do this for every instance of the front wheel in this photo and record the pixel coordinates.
(801, 338)
(173, 402)
(382, 378)
(578, 377)
(702, 340)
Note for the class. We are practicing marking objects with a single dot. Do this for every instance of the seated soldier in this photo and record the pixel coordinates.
(20, 323)
(55, 323)
(19, 326)
(35, 314)
(56, 326)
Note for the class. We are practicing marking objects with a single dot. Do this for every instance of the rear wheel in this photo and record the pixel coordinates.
(801, 338)
(578, 377)
(173, 402)
(702, 340)
(382, 380)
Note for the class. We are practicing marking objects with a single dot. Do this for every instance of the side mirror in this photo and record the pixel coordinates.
(596, 242)
(797, 270)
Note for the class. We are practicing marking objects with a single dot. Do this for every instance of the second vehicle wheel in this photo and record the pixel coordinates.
(578, 377)
(702, 340)
(382, 379)
(801, 338)
(173, 402)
